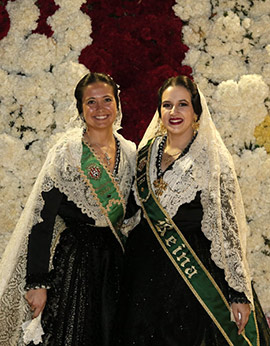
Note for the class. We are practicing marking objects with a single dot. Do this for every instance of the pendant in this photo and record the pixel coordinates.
(107, 158)
(160, 186)
(94, 171)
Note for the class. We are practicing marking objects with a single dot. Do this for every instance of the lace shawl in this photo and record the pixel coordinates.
(208, 167)
(62, 170)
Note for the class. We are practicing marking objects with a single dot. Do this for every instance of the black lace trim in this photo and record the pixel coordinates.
(237, 297)
(39, 280)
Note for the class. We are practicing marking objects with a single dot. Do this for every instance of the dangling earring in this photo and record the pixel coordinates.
(195, 125)
(162, 129)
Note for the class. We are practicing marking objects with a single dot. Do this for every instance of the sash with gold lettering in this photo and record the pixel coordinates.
(184, 259)
(106, 191)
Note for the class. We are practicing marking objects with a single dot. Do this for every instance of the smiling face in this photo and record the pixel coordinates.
(177, 112)
(99, 105)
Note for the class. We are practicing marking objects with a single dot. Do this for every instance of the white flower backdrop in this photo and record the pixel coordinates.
(37, 79)
(229, 53)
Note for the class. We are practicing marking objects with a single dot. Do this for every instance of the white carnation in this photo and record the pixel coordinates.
(260, 8)
(11, 150)
(192, 8)
(67, 75)
(228, 28)
(253, 89)
(192, 57)
(71, 29)
(239, 108)
(38, 115)
(226, 67)
(37, 54)
(70, 4)
(228, 100)
(260, 28)
(23, 16)
(9, 52)
(192, 38)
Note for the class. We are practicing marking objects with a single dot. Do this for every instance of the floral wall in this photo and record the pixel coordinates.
(229, 52)
(46, 46)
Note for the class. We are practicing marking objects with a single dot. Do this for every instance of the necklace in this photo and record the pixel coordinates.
(170, 156)
(159, 183)
(106, 156)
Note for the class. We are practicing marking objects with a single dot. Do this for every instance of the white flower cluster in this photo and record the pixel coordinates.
(37, 80)
(239, 108)
(229, 52)
(253, 169)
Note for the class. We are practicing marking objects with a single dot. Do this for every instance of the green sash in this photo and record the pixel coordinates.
(186, 262)
(105, 190)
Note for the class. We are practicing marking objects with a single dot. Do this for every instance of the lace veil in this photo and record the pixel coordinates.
(224, 222)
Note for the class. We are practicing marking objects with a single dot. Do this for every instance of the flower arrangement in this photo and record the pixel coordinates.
(229, 54)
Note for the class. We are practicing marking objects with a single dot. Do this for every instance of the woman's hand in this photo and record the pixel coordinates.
(241, 314)
(36, 299)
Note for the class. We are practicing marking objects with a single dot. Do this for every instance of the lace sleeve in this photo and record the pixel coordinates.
(132, 217)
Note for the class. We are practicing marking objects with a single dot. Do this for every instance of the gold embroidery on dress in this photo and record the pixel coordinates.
(160, 186)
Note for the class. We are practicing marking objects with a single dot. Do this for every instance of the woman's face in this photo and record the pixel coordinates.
(177, 112)
(99, 105)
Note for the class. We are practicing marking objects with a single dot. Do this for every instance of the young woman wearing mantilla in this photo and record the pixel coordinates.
(67, 249)
(186, 272)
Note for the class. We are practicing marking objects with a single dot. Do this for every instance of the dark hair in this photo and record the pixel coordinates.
(91, 78)
(186, 83)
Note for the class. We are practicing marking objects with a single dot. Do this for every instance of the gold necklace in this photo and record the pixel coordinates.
(170, 156)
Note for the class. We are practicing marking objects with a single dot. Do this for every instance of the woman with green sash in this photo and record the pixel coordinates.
(67, 249)
(186, 278)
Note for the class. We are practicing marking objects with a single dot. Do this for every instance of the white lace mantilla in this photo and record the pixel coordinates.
(62, 170)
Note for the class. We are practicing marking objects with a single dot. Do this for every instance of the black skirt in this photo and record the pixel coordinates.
(85, 287)
(156, 306)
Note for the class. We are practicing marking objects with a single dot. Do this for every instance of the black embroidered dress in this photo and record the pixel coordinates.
(86, 258)
(157, 308)
(84, 284)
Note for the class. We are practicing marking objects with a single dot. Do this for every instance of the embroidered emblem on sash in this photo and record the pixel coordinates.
(94, 171)
(142, 163)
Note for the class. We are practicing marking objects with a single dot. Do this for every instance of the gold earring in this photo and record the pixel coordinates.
(195, 125)
(163, 129)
